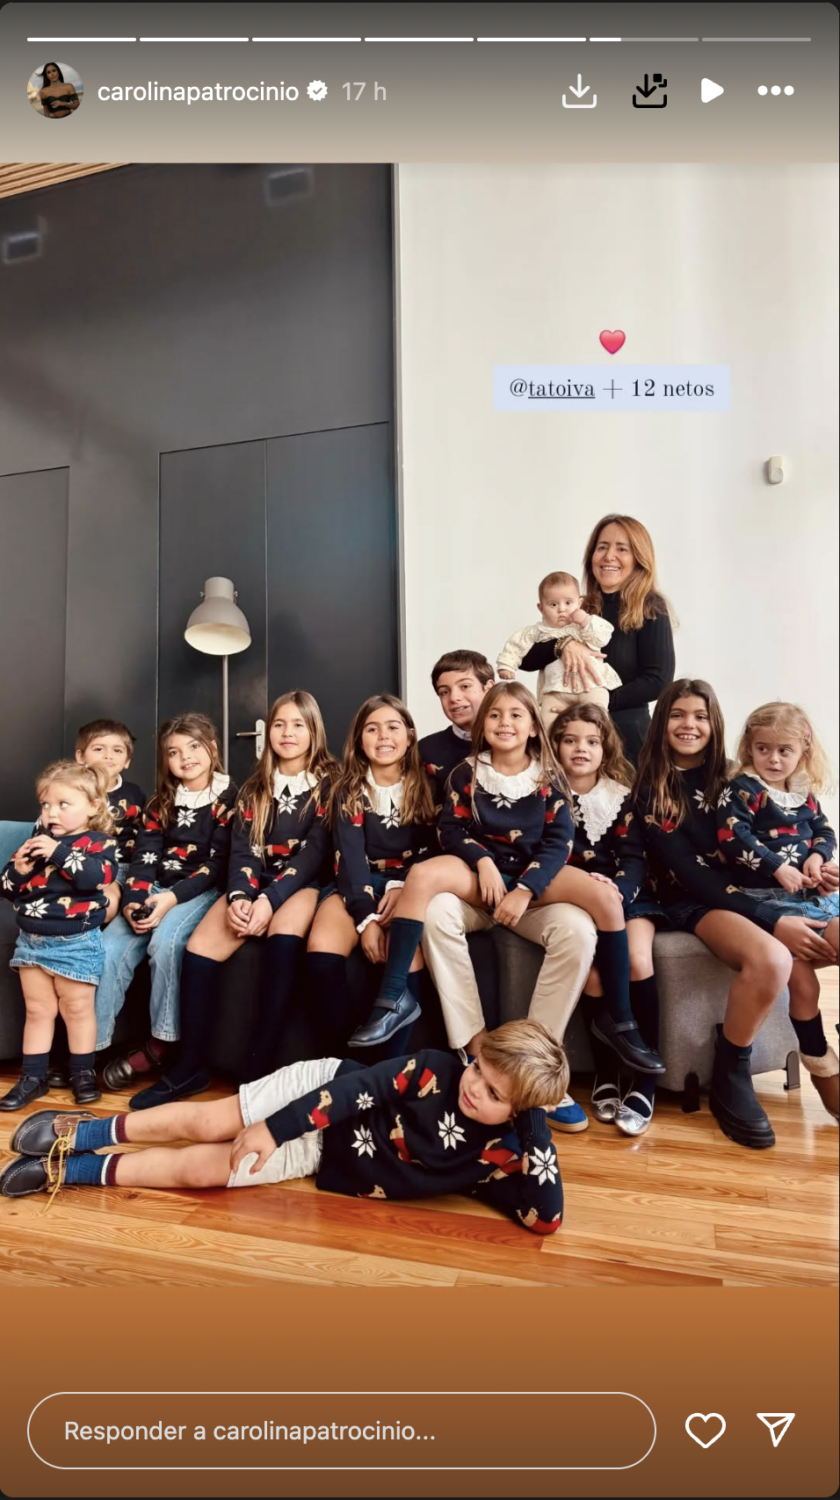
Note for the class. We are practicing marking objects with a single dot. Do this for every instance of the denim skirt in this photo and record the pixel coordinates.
(79, 956)
(808, 904)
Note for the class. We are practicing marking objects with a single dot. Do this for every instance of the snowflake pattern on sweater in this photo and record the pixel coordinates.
(375, 840)
(395, 1130)
(608, 838)
(64, 895)
(527, 833)
(686, 862)
(757, 835)
(297, 847)
(187, 863)
(126, 802)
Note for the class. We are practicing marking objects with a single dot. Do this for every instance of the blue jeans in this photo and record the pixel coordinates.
(124, 950)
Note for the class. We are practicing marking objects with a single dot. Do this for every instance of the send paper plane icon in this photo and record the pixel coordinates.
(777, 1423)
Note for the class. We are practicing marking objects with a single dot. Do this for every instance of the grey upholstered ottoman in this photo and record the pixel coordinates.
(693, 988)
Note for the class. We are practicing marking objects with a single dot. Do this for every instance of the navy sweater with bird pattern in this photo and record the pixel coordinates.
(297, 845)
(526, 829)
(757, 834)
(64, 895)
(187, 857)
(395, 1130)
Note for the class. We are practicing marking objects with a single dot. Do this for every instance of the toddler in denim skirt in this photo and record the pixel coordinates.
(57, 883)
(777, 842)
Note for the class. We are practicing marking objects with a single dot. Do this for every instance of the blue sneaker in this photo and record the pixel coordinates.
(568, 1116)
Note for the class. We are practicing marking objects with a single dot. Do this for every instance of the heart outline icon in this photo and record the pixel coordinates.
(705, 1417)
(612, 339)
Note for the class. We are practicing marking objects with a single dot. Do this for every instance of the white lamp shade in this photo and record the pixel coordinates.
(218, 625)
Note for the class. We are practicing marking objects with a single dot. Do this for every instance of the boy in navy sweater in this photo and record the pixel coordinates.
(411, 1127)
(107, 743)
(460, 679)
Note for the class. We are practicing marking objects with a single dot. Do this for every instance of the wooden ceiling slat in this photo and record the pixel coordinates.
(27, 177)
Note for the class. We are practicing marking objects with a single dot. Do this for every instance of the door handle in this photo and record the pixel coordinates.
(257, 734)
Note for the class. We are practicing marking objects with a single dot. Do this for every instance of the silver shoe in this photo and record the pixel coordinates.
(628, 1119)
(606, 1108)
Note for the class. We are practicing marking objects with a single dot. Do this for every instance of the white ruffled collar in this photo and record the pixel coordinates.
(292, 786)
(597, 810)
(799, 793)
(385, 799)
(523, 784)
(218, 784)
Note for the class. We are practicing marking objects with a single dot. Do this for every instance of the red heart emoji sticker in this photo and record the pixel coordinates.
(612, 342)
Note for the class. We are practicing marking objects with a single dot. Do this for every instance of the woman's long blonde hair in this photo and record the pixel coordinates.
(539, 745)
(198, 727)
(788, 719)
(349, 792)
(256, 795)
(614, 763)
(640, 596)
(93, 780)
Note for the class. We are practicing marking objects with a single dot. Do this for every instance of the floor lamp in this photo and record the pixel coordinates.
(219, 628)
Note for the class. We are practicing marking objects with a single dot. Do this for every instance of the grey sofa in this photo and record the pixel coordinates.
(693, 986)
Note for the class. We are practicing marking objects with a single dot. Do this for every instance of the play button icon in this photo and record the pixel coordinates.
(709, 90)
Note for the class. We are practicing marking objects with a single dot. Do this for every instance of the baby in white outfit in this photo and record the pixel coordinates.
(563, 618)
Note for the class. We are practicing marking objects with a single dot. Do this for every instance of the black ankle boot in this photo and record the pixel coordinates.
(83, 1084)
(27, 1088)
(732, 1098)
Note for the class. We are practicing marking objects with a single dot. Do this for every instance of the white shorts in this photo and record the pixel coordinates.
(300, 1157)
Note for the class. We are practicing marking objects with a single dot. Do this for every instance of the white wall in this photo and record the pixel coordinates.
(712, 264)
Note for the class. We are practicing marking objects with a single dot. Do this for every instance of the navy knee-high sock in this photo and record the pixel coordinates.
(275, 997)
(644, 1000)
(810, 1035)
(403, 937)
(612, 960)
(329, 1003)
(606, 1062)
(199, 987)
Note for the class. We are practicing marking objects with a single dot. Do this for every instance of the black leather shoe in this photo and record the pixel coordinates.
(166, 1092)
(58, 1078)
(386, 1019)
(25, 1090)
(84, 1086)
(638, 1057)
(36, 1136)
(119, 1073)
(28, 1174)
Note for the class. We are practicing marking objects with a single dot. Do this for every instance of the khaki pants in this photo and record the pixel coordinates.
(566, 933)
(552, 704)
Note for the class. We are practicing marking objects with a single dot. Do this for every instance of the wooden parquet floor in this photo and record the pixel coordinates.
(681, 1206)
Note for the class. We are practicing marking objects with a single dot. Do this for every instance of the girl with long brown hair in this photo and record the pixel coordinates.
(681, 776)
(620, 585)
(609, 846)
(506, 832)
(178, 866)
(57, 883)
(382, 815)
(777, 843)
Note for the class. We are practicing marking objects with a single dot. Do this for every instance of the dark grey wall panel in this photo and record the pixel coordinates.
(212, 523)
(332, 569)
(171, 307)
(33, 571)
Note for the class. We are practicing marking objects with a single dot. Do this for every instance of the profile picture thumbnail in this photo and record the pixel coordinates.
(55, 90)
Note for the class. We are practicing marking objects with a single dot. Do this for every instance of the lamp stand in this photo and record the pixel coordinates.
(225, 714)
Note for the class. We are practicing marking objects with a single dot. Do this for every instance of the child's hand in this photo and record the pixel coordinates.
(506, 674)
(41, 847)
(22, 861)
(253, 1139)
(373, 943)
(259, 917)
(829, 877)
(160, 903)
(580, 617)
(239, 916)
(388, 906)
(812, 868)
(791, 879)
(512, 906)
(604, 879)
(490, 883)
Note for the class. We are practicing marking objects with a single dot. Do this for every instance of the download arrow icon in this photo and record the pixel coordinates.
(580, 90)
